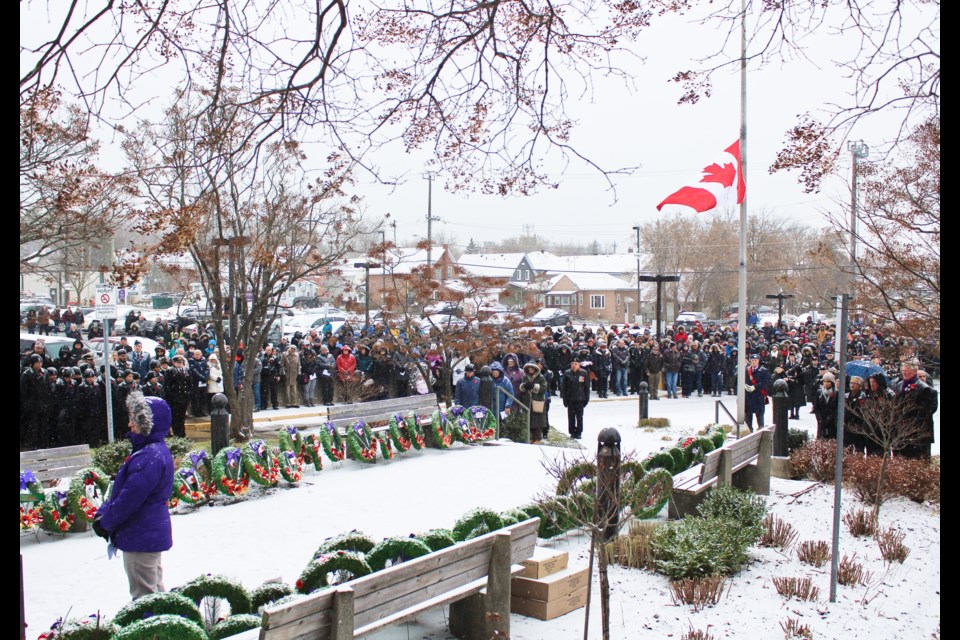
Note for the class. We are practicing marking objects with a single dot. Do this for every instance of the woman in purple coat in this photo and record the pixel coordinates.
(135, 519)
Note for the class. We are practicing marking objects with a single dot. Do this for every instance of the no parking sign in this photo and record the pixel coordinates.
(106, 302)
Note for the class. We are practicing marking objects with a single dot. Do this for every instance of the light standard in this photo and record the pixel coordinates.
(637, 229)
(366, 266)
(659, 279)
(383, 267)
(779, 297)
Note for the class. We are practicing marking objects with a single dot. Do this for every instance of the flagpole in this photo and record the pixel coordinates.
(742, 312)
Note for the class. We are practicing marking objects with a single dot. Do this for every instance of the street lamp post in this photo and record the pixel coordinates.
(779, 297)
(637, 229)
(366, 266)
(659, 279)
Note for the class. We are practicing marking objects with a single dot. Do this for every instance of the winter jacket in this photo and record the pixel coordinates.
(501, 387)
(467, 392)
(215, 377)
(575, 388)
(136, 515)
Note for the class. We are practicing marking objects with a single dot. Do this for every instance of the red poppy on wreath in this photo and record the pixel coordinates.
(172, 503)
(299, 584)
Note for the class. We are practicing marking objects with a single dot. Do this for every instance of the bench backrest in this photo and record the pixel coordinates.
(343, 415)
(740, 451)
(395, 589)
(53, 464)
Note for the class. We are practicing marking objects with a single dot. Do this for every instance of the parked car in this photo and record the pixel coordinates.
(550, 317)
(691, 317)
(52, 344)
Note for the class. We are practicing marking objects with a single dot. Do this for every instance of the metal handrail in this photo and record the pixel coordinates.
(517, 401)
(718, 404)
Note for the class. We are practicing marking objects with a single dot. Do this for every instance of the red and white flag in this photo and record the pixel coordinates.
(721, 184)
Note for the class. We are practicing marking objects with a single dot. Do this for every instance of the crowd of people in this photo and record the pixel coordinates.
(63, 400)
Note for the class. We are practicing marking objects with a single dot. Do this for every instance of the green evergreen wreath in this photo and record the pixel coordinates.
(86, 493)
(414, 430)
(187, 486)
(575, 476)
(343, 565)
(398, 434)
(93, 627)
(386, 446)
(258, 462)
(312, 445)
(289, 439)
(548, 522)
(659, 460)
(55, 512)
(361, 442)
(484, 422)
(217, 586)
(291, 466)
(648, 494)
(395, 551)
(31, 500)
(156, 604)
(679, 459)
(437, 539)
(163, 627)
(718, 435)
(441, 436)
(228, 473)
(235, 624)
(475, 523)
(267, 593)
(355, 540)
(332, 442)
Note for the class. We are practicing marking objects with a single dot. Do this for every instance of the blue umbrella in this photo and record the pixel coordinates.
(865, 369)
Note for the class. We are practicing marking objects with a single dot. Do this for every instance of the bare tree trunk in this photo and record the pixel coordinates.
(883, 474)
(604, 586)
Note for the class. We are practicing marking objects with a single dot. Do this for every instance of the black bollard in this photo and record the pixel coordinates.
(219, 423)
(644, 401)
(781, 408)
(608, 482)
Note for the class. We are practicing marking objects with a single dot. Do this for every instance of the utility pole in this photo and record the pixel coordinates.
(637, 229)
(428, 176)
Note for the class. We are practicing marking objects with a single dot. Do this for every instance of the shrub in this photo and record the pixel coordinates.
(799, 588)
(793, 628)
(777, 533)
(860, 523)
(697, 634)
(179, 447)
(891, 545)
(110, 457)
(816, 460)
(634, 549)
(851, 573)
(700, 592)
(815, 552)
(739, 506)
(515, 427)
(696, 547)
(657, 423)
(797, 438)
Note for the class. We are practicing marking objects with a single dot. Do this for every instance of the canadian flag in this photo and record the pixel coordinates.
(716, 186)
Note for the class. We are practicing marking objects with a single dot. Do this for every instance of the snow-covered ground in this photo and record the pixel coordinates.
(273, 534)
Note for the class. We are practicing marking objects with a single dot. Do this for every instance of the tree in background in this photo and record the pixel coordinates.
(252, 222)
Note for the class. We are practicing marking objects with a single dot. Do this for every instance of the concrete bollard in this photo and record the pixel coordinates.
(219, 423)
(608, 482)
(644, 401)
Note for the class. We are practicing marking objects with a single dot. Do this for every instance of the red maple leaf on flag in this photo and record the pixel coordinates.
(725, 174)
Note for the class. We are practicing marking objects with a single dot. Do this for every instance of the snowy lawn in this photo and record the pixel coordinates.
(273, 534)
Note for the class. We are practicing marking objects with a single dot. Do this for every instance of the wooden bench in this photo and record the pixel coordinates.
(343, 415)
(744, 463)
(472, 576)
(53, 464)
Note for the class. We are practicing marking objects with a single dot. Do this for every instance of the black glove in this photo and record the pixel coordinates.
(99, 530)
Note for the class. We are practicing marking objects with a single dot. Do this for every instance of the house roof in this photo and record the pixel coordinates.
(588, 282)
(592, 264)
(490, 265)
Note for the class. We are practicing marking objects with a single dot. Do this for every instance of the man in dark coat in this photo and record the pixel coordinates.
(919, 401)
(575, 391)
(176, 384)
(755, 383)
(136, 519)
(467, 392)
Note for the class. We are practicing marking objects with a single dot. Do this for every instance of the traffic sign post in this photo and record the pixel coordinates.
(106, 309)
